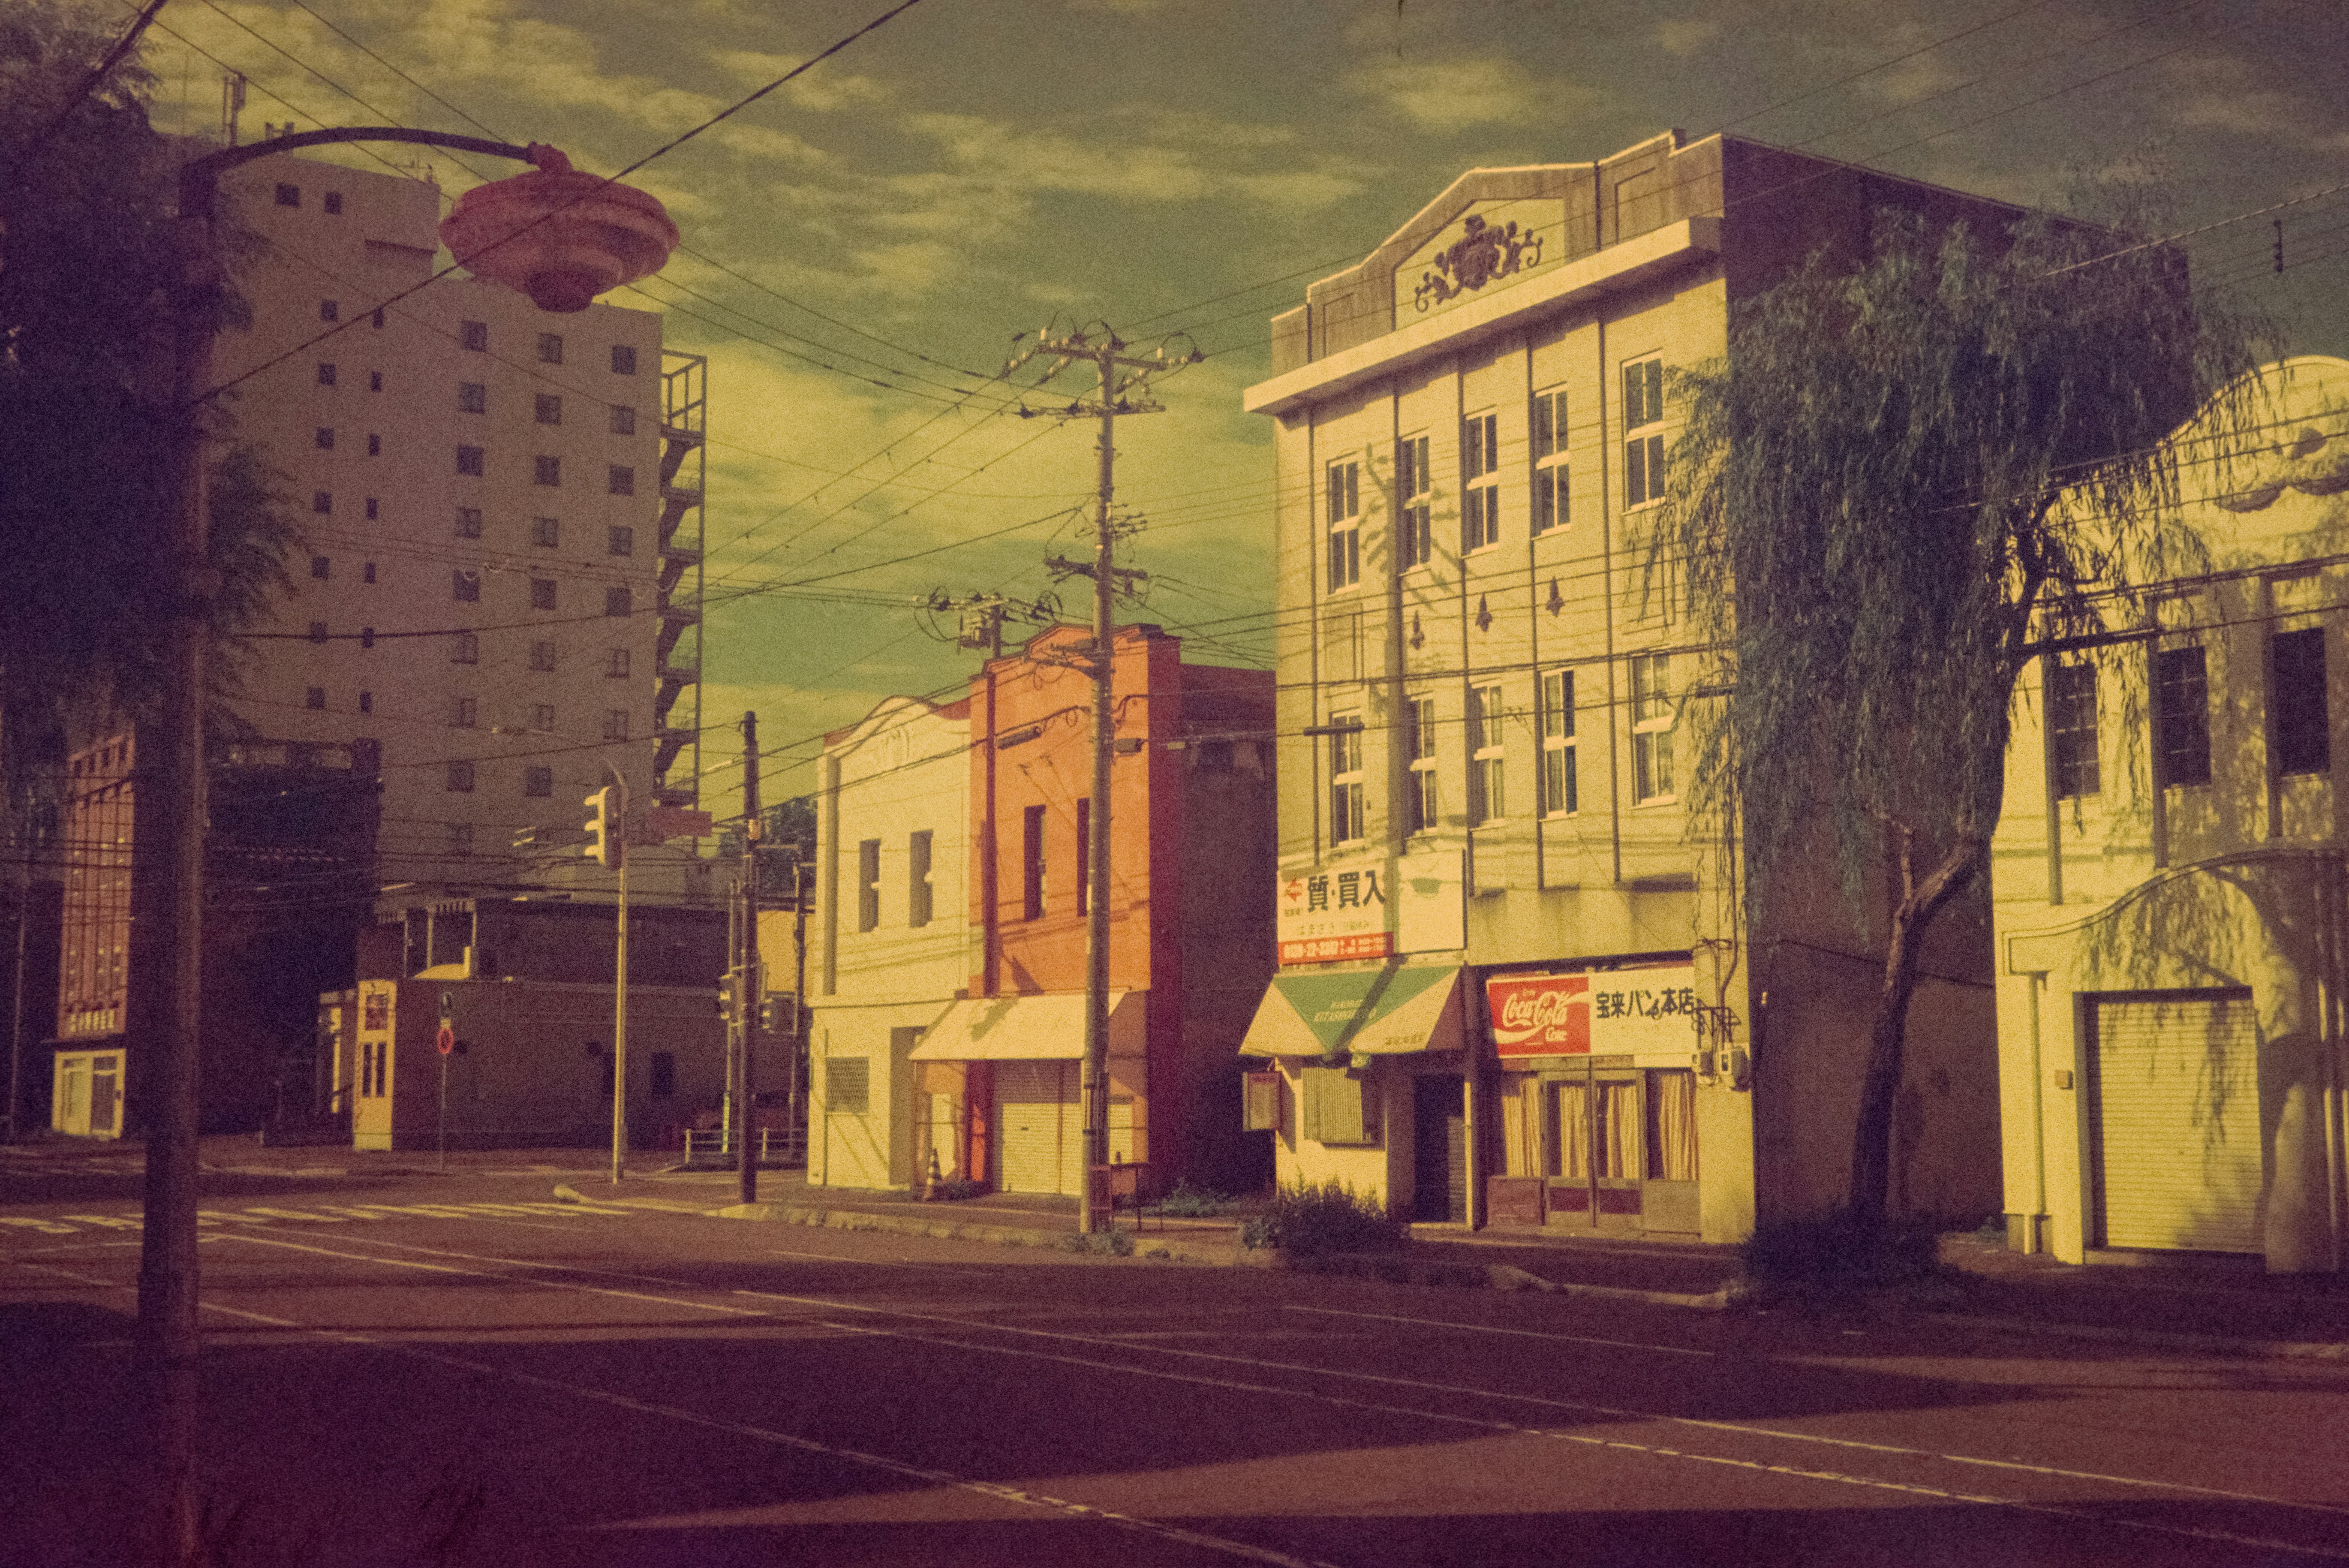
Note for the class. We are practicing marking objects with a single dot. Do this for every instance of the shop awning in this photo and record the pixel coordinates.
(1379, 1012)
(1040, 1028)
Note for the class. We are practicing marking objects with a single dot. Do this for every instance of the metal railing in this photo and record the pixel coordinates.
(715, 1145)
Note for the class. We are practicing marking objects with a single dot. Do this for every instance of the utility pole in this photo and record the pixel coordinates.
(746, 1013)
(1117, 374)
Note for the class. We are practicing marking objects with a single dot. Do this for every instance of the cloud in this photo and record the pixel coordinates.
(1453, 95)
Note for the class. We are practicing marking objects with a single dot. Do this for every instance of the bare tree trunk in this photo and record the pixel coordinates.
(1921, 902)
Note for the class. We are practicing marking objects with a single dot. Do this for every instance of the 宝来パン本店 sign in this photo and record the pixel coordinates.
(1623, 1012)
(1334, 911)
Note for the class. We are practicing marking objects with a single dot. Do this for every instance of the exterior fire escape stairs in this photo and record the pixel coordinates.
(683, 471)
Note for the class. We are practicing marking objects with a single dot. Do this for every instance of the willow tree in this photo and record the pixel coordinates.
(1908, 474)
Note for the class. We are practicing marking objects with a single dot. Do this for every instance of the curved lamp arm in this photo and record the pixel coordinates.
(199, 178)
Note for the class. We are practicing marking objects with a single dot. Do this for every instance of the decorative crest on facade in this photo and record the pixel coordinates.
(1476, 258)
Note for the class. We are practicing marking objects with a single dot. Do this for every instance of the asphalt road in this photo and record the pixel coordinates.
(460, 1370)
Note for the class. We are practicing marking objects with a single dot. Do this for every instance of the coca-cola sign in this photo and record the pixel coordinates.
(1615, 1013)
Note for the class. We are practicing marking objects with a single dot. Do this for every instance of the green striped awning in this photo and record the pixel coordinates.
(1379, 1012)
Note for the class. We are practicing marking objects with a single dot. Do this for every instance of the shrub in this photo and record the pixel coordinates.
(959, 1186)
(1108, 1243)
(1828, 1250)
(1306, 1221)
(1188, 1202)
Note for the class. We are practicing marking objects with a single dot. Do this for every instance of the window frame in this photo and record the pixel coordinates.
(1644, 475)
(1347, 793)
(868, 885)
(1342, 500)
(2181, 697)
(546, 409)
(1559, 775)
(1488, 738)
(920, 891)
(1034, 864)
(465, 584)
(2074, 760)
(1414, 505)
(1420, 797)
(1654, 719)
(1552, 474)
(2300, 733)
(1480, 484)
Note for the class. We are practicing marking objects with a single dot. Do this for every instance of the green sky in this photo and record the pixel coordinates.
(977, 166)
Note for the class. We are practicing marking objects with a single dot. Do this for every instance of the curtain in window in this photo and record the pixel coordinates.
(1516, 1148)
(1619, 1130)
(1671, 1141)
(1565, 1115)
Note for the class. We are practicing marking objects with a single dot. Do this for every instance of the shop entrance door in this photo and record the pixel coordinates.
(1439, 1151)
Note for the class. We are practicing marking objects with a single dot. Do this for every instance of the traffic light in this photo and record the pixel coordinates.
(728, 1006)
(604, 838)
(779, 1014)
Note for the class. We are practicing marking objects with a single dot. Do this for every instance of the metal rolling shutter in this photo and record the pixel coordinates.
(1036, 1106)
(2178, 1123)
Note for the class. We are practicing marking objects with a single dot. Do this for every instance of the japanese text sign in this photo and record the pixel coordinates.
(1339, 910)
(1649, 1012)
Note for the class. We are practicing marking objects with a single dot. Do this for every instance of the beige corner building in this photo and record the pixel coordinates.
(2172, 907)
(1512, 990)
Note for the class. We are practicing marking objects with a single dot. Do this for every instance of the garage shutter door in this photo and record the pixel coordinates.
(1036, 1106)
(2178, 1123)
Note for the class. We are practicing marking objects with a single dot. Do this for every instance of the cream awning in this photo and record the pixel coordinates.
(1378, 1012)
(1047, 1027)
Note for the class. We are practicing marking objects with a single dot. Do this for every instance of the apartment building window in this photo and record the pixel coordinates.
(1345, 504)
(848, 1085)
(1031, 862)
(289, 195)
(1558, 783)
(918, 879)
(541, 593)
(367, 701)
(334, 200)
(541, 655)
(322, 502)
(461, 844)
(547, 471)
(465, 648)
(1419, 778)
(465, 585)
(615, 723)
(868, 885)
(1643, 437)
(460, 778)
(322, 567)
(1488, 798)
(623, 481)
(463, 711)
(469, 522)
(538, 781)
(1550, 461)
(366, 571)
(624, 359)
(617, 600)
(619, 540)
(2297, 708)
(1480, 492)
(2182, 706)
(545, 533)
(469, 461)
(1346, 824)
(550, 347)
(318, 632)
(623, 419)
(326, 373)
(474, 335)
(375, 446)
(330, 310)
(378, 318)
(374, 378)
(1084, 856)
(1651, 727)
(366, 637)
(2072, 729)
(473, 397)
(542, 716)
(550, 409)
(373, 511)
(1414, 494)
(314, 697)
(325, 438)
(615, 664)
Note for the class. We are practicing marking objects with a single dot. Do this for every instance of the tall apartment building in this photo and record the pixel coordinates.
(500, 572)
(1514, 987)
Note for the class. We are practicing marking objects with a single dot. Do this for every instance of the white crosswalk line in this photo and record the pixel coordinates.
(219, 1215)
(109, 1220)
(47, 1227)
(349, 1213)
(571, 1209)
(296, 1214)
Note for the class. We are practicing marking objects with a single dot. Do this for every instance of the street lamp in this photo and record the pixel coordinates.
(560, 236)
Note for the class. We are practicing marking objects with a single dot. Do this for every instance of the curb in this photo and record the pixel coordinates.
(2151, 1338)
(955, 1231)
(567, 1193)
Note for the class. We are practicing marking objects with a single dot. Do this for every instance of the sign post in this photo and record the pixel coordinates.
(445, 1041)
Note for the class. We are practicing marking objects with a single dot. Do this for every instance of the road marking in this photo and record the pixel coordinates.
(1014, 1495)
(45, 1227)
(107, 1220)
(1518, 1332)
(327, 1214)
(300, 1214)
(1610, 1412)
(221, 1216)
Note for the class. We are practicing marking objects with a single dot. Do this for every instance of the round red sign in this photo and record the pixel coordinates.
(446, 1041)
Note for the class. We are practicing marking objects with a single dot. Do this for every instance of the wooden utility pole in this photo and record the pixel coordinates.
(746, 1013)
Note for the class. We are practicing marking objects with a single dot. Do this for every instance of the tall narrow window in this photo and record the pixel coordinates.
(1643, 436)
(1419, 745)
(1031, 862)
(615, 664)
(1651, 727)
(1346, 826)
(1084, 857)
(2182, 702)
(868, 885)
(1480, 496)
(1487, 775)
(1558, 785)
(2298, 712)
(1414, 491)
(1550, 461)
(1345, 524)
(2072, 729)
(917, 879)
(615, 723)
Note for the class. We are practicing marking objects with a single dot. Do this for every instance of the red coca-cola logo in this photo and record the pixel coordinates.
(1546, 1015)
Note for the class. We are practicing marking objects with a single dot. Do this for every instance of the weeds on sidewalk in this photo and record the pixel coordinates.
(1104, 1243)
(1830, 1253)
(1185, 1201)
(1306, 1221)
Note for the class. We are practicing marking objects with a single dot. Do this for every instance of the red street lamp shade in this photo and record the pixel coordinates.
(558, 236)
